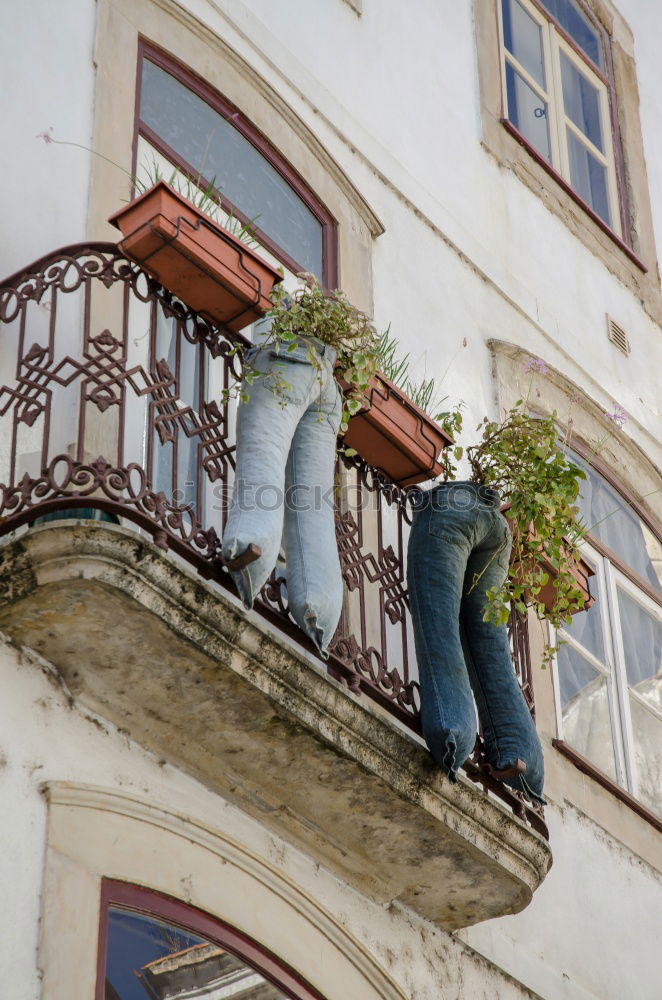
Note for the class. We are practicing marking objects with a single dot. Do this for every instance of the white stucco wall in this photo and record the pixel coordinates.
(46, 51)
(585, 936)
(46, 738)
(587, 933)
(394, 97)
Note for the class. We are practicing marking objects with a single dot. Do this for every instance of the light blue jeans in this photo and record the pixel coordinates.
(459, 547)
(283, 489)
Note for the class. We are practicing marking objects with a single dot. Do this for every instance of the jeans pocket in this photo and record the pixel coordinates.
(289, 379)
(457, 527)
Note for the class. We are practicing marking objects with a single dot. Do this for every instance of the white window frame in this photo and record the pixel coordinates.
(553, 44)
(605, 583)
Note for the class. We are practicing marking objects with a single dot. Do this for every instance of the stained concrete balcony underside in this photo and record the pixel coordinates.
(145, 643)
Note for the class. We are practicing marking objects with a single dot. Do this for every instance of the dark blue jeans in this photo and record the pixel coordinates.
(459, 547)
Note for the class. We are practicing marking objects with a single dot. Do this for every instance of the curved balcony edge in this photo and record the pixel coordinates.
(218, 693)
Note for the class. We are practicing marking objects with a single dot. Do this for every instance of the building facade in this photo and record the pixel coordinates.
(194, 803)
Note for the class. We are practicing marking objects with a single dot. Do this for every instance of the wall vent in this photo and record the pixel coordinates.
(618, 336)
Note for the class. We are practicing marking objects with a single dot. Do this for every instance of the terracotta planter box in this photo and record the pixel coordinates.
(198, 261)
(396, 436)
(581, 571)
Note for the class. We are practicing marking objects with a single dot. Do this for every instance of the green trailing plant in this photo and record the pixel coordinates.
(311, 314)
(523, 459)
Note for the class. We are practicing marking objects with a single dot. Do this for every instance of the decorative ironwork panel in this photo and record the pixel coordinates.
(113, 402)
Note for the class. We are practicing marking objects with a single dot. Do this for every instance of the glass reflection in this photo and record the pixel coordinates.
(577, 25)
(175, 441)
(215, 148)
(588, 177)
(585, 708)
(642, 644)
(581, 101)
(528, 112)
(523, 38)
(607, 516)
(587, 628)
(647, 735)
(148, 959)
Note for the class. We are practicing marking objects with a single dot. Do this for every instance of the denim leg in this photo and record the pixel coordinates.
(265, 430)
(508, 729)
(314, 580)
(435, 574)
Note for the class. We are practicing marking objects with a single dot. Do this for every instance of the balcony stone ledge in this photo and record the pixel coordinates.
(139, 638)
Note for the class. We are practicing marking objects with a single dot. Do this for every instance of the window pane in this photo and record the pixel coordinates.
(588, 177)
(585, 709)
(582, 102)
(219, 152)
(528, 112)
(608, 517)
(642, 643)
(580, 29)
(647, 734)
(179, 488)
(523, 38)
(587, 627)
(149, 958)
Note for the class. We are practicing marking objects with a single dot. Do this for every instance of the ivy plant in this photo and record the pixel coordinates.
(310, 314)
(522, 458)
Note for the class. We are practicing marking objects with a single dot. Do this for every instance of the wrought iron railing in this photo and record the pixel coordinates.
(114, 404)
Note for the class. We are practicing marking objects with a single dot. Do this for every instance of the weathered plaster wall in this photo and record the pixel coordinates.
(596, 903)
(45, 736)
(587, 933)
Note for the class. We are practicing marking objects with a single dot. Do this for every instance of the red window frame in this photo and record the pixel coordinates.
(232, 114)
(606, 75)
(155, 904)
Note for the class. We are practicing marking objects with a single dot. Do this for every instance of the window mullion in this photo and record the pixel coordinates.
(601, 568)
(605, 117)
(524, 73)
(560, 142)
(620, 677)
(585, 141)
(502, 47)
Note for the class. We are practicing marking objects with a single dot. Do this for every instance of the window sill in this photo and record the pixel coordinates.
(621, 244)
(586, 767)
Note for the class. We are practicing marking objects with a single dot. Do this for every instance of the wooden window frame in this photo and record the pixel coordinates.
(613, 571)
(165, 61)
(555, 41)
(144, 901)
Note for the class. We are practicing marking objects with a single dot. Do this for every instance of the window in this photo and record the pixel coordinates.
(556, 94)
(155, 946)
(196, 129)
(609, 671)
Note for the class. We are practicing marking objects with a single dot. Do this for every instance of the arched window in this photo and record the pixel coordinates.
(153, 947)
(609, 671)
(181, 118)
(183, 123)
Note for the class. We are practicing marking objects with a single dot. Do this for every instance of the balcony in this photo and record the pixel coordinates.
(114, 407)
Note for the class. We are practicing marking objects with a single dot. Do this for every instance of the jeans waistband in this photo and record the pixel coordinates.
(460, 495)
(298, 353)
(324, 350)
